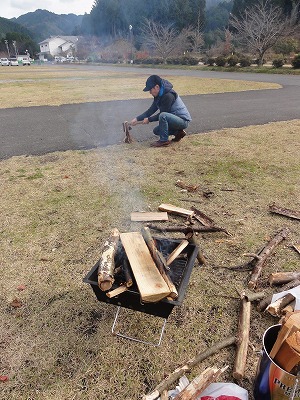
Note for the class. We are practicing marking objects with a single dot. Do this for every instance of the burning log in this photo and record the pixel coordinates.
(169, 380)
(279, 278)
(242, 339)
(107, 263)
(200, 383)
(284, 211)
(159, 261)
(267, 300)
(264, 254)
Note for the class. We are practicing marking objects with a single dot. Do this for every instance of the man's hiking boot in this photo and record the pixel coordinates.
(159, 143)
(179, 135)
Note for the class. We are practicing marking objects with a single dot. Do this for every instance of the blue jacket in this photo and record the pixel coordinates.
(167, 101)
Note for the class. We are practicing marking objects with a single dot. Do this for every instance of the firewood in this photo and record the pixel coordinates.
(200, 383)
(289, 308)
(284, 211)
(275, 308)
(159, 261)
(264, 255)
(242, 339)
(117, 291)
(202, 218)
(127, 273)
(189, 188)
(290, 324)
(149, 216)
(296, 247)
(170, 379)
(106, 263)
(175, 253)
(288, 356)
(176, 210)
(151, 284)
(185, 229)
(128, 137)
(279, 278)
(263, 304)
(191, 237)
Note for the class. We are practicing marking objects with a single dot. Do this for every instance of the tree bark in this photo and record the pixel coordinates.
(279, 278)
(169, 380)
(107, 263)
(264, 255)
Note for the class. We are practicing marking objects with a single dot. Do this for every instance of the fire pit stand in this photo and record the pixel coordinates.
(180, 271)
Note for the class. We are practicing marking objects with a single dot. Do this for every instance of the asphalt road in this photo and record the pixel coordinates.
(40, 130)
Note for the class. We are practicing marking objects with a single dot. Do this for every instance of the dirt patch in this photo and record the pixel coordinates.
(56, 212)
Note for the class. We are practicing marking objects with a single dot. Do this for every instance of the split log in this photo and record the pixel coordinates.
(151, 284)
(159, 261)
(289, 308)
(117, 291)
(169, 380)
(264, 255)
(175, 253)
(267, 300)
(193, 239)
(107, 263)
(126, 127)
(127, 273)
(242, 339)
(284, 211)
(290, 324)
(200, 383)
(275, 308)
(176, 210)
(288, 355)
(149, 216)
(279, 278)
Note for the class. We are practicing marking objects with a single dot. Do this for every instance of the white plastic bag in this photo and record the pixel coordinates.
(223, 391)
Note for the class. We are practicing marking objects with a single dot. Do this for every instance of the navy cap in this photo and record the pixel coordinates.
(151, 82)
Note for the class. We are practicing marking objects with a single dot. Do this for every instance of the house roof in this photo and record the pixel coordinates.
(72, 39)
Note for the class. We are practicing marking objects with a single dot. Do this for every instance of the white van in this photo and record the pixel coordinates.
(4, 61)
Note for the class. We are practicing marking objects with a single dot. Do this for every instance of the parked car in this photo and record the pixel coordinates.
(13, 61)
(26, 61)
(4, 61)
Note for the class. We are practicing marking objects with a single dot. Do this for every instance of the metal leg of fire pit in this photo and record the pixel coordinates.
(135, 339)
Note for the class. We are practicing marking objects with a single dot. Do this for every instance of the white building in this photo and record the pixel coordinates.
(58, 45)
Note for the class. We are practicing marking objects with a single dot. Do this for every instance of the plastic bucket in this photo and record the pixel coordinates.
(272, 382)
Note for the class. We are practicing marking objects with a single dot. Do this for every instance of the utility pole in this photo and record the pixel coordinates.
(131, 42)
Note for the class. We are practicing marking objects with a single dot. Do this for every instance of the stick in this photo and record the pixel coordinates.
(186, 230)
(159, 261)
(169, 380)
(200, 383)
(264, 255)
(284, 211)
(242, 339)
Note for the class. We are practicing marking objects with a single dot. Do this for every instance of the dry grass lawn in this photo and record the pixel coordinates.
(58, 209)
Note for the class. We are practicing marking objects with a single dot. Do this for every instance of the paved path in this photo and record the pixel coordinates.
(39, 130)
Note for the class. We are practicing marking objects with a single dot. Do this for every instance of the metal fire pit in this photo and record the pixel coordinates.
(180, 272)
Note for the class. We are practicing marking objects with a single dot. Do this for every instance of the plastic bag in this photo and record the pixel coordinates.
(223, 391)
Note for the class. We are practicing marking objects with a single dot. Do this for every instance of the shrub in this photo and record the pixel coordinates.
(185, 60)
(278, 63)
(232, 61)
(211, 61)
(296, 61)
(221, 61)
(245, 62)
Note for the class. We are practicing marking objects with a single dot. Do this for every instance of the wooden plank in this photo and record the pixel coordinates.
(149, 216)
(117, 291)
(176, 210)
(175, 253)
(151, 284)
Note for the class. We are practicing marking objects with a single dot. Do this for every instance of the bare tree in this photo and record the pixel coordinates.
(161, 39)
(261, 26)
